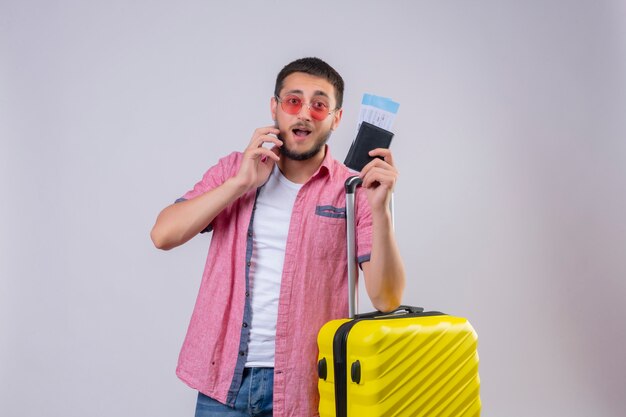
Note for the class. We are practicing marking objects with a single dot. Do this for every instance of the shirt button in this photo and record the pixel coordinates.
(245, 325)
(242, 353)
(249, 263)
(249, 234)
(247, 293)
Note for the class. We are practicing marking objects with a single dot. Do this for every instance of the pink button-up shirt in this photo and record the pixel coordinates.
(313, 288)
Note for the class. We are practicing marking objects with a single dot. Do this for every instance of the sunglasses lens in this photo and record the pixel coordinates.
(319, 110)
(291, 104)
(318, 114)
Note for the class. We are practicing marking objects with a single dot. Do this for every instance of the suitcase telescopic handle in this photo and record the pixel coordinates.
(351, 185)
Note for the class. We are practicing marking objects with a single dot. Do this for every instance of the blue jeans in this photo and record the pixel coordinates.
(253, 400)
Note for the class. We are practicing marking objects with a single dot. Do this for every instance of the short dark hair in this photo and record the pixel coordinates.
(316, 67)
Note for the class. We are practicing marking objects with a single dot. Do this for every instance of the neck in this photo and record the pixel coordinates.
(300, 171)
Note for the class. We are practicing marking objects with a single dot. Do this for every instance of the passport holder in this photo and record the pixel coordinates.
(369, 137)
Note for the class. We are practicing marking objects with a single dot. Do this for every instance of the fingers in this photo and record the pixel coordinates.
(380, 172)
(379, 176)
(264, 135)
(384, 153)
(263, 153)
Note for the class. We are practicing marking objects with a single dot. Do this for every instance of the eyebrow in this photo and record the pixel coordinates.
(315, 93)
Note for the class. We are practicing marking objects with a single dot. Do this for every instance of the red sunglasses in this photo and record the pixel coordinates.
(293, 104)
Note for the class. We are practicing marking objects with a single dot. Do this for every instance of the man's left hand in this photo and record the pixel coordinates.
(379, 178)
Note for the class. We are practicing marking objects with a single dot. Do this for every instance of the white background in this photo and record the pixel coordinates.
(510, 140)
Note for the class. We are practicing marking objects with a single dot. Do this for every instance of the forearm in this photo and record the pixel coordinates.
(179, 222)
(384, 273)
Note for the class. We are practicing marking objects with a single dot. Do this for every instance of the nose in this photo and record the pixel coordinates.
(305, 111)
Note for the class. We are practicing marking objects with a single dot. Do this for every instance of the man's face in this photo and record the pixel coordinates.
(303, 135)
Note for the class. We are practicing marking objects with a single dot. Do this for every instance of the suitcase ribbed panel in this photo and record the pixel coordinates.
(420, 366)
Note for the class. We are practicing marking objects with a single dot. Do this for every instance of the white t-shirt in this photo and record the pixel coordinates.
(270, 227)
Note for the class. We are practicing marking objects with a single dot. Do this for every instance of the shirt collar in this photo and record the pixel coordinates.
(327, 164)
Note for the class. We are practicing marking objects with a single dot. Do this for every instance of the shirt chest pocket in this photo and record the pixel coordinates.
(331, 212)
(330, 231)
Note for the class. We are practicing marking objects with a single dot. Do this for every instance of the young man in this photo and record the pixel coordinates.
(276, 269)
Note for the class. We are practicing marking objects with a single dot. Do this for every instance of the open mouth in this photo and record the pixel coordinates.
(301, 132)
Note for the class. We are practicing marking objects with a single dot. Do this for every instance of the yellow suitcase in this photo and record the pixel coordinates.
(408, 363)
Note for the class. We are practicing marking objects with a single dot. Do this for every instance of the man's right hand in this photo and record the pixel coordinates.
(179, 222)
(258, 161)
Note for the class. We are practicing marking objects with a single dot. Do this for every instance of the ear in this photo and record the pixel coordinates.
(336, 119)
(273, 104)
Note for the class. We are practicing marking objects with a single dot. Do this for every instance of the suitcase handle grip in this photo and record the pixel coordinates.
(407, 309)
(352, 183)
